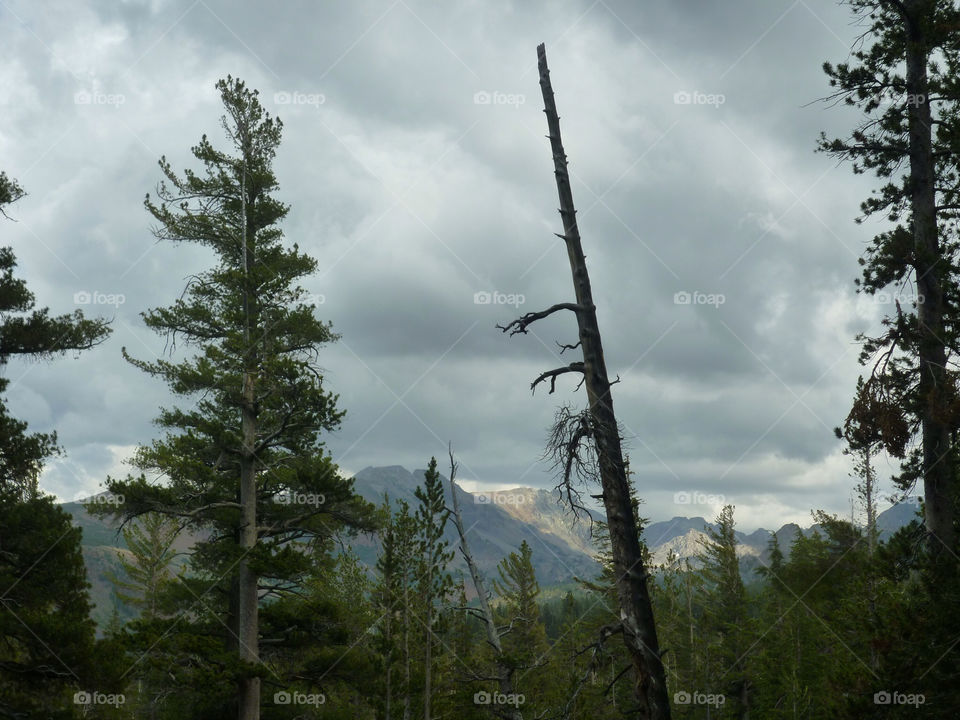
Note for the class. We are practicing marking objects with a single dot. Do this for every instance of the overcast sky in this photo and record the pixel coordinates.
(416, 165)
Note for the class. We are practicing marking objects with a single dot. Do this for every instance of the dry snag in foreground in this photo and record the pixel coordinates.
(599, 425)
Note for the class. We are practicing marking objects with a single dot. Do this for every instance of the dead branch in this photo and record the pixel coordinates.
(564, 346)
(521, 324)
(552, 374)
(597, 647)
(572, 453)
(504, 673)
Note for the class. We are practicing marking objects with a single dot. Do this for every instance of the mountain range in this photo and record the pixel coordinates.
(496, 524)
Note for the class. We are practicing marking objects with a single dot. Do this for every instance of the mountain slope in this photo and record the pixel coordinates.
(494, 529)
(496, 524)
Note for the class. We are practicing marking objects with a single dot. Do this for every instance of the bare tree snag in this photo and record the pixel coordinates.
(636, 613)
(504, 672)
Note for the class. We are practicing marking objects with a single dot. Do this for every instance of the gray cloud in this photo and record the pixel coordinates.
(414, 197)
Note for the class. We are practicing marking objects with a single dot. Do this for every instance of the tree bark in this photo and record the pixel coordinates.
(428, 654)
(406, 647)
(388, 636)
(248, 616)
(869, 499)
(636, 613)
(930, 266)
(504, 673)
(248, 604)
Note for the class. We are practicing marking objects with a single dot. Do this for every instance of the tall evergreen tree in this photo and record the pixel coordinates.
(47, 647)
(518, 589)
(244, 462)
(434, 582)
(148, 568)
(28, 331)
(393, 595)
(525, 639)
(143, 584)
(904, 78)
(725, 621)
(677, 596)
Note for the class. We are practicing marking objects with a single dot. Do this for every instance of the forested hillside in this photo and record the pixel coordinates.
(501, 520)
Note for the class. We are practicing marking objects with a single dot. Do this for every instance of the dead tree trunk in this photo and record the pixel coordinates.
(504, 673)
(636, 613)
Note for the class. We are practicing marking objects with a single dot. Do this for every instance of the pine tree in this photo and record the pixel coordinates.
(778, 690)
(319, 641)
(47, 646)
(245, 462)
(676, 597)
(27, 331)
(10, 192)
(518, 589)
(525, 640)
(502, 670)
(725, 620)
(148, 569)
(143, 584)
(434, 582)
(903, 78)
(395, 593)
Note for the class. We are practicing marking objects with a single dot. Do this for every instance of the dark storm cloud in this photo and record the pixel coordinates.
(418, 174)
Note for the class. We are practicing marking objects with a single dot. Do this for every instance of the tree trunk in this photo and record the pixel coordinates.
(636, 613)
(504, 674)
(248, 600)
(248, 616)
(406, 647)
(869, 493)
(930, 266)
(428, 659)
(388, 636)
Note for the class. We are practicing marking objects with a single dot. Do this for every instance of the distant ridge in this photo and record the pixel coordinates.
(497, 523)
